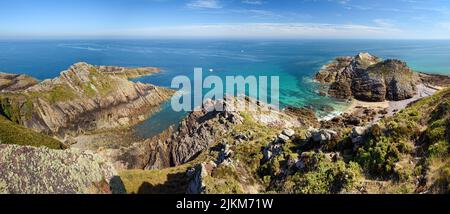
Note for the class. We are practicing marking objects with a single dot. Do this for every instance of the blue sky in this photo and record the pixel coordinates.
(386, 19)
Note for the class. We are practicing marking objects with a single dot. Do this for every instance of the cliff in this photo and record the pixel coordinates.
(84, 98)
(368, 78)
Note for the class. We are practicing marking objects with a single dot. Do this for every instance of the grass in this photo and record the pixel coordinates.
(11, 133)
(59, 93)
(170, 180)
(102, 82)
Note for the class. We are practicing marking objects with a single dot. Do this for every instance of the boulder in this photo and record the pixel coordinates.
(289, 132)
(358, 131)
(283, 138)
(322, 135)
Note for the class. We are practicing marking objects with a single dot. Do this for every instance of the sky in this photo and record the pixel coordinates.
(274, 19)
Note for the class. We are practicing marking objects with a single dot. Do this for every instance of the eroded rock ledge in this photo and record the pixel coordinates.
(15, 82)
(84, 98)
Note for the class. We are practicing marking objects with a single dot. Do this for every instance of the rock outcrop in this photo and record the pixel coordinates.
(15, 82)
(30, 170)
(205, 128)
(84, 98)
(367, 78)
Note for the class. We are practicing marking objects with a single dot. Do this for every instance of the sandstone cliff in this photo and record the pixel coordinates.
(84, 98)
(367, 78)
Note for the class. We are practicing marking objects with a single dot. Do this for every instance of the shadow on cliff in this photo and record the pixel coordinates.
(175, 184)
(116, 185)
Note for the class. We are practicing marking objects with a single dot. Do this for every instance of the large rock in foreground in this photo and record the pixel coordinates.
(367, 78)
(29, 170)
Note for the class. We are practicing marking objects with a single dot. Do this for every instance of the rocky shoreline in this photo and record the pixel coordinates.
(392, 138)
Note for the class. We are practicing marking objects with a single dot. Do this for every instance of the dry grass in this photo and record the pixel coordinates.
(170, 180)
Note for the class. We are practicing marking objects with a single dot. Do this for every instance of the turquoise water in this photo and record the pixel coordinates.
(294, 61)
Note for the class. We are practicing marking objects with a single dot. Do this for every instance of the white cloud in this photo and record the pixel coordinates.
(266, 30)
(253, 2)
(384, 23)
(207, 4)
(445, 25)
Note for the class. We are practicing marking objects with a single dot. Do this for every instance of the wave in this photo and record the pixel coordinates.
(81, 47)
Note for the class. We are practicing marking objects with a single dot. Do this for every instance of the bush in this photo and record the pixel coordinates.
(379, 156)
(438, 149)
(326, 177)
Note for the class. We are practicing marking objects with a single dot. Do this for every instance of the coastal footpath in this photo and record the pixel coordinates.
(377, 146)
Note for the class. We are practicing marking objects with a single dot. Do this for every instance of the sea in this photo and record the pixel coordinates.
(294, 61)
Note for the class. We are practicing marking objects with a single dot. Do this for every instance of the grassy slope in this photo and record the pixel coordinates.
(11, 133)
(414, 143)
(171, 180)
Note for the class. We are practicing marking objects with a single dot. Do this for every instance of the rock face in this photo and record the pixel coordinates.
(196, 176)
(367, 78)
(83, 98)
(202, 129)
(29, 170)
(15, 82)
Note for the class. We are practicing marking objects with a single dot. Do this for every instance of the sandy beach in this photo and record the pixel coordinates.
(390, 107)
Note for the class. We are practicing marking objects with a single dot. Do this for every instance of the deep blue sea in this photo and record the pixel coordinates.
(295, 61)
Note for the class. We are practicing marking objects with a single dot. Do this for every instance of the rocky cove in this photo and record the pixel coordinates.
(368, 149)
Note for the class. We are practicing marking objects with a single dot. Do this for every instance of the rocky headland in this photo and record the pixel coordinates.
(393, 139)
(15, 82)
(82, 99)
(368, 78)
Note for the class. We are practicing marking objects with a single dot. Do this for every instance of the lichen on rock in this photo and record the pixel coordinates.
(30, 170)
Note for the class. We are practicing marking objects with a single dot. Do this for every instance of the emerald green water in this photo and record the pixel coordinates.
(294, 61)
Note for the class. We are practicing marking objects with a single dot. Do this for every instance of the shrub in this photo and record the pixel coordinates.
(328, 177)
(438, 149)
(379, 156)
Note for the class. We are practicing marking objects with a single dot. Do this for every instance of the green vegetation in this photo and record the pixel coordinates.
(421, 130)
(16, 107)
(58, 93)
(324, 178)
(102, 82)
(11, 133)
(223, 180)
